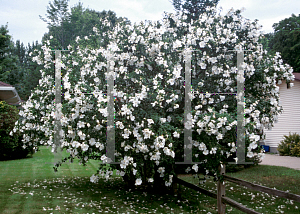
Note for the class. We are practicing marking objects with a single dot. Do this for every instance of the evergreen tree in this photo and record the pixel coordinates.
(31, 71)
(7, 59)
(193, 8)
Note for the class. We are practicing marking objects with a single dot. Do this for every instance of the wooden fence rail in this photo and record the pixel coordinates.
(237, 206)
(222, 200)
(194, 187)
(260, 188)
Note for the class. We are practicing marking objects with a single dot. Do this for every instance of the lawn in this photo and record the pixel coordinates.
(31, 186)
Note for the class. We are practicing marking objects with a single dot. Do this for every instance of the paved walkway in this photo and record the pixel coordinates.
(276, 160)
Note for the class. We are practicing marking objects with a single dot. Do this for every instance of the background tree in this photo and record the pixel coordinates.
(286, 40)
(193, 8)
(30, 70)
(57, 15)
(8, 61)
(267, 42)
(16, 65)
(66, 26)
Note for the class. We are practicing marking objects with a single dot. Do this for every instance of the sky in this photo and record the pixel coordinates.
(25, 25)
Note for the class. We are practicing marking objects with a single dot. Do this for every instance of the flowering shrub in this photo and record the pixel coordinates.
(148, 64)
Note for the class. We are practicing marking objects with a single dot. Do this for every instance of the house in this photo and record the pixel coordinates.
(289, 120)
(9, 94)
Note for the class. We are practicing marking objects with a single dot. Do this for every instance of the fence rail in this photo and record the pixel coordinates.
(194, 187)
(260, 188)
(238, 206)
(222, 200)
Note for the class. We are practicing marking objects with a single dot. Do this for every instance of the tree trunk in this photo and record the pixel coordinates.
(129, 180)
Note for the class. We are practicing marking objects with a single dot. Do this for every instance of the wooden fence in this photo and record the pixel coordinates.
(222, 200)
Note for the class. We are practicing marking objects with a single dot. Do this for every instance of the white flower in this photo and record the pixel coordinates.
(75, 144)
(94, 179)
(150, 121)
(135, 101)
(188, 124)
(223, 40)
(97, 80)
(202, 44)
(67, 85)
(176, 134)
(104, 158)
(195, 167)
(81, 124)
(95, 29)
(203, 66)
(84, 147)
(163, 120)
(134, 171)
(138, 181)
(253, 145)
(147, 133)
(240, 78)
(202, 146)
(250, 154)
(171, 81)
(120, 124)
(227, 82)
(167, 183)
(150, 180)
(169, 119)
(219, 136)
(254, 137)
(81, 135)
(161, 170)
(213, 150)
(100, 146)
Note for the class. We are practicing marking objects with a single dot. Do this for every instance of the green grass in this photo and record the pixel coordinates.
(31, 186)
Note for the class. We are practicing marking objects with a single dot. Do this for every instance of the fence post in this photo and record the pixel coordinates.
(110, 149)
(175, 186)
(58, 106)
(221, 192)
(179, 191)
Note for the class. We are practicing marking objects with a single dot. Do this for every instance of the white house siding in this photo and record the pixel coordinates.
(289, 120)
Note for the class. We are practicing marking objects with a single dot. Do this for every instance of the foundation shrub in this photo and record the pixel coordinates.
(290, 145)
(10, 146)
